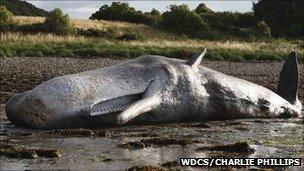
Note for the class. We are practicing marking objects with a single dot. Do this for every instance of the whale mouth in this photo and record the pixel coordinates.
(114, 105)
(122, 103)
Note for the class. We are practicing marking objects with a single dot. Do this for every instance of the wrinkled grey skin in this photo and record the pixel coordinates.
(160, 89)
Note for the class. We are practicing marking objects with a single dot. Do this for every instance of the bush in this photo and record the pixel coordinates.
(183, 21)
(6, 18)
(58, 23)
(263, 28)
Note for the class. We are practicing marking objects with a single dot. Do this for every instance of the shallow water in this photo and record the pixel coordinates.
(88, 149)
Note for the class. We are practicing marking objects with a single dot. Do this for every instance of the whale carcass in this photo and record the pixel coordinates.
(153, 89)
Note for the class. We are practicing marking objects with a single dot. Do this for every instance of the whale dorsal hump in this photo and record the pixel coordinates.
(197, 58)
(289, 79)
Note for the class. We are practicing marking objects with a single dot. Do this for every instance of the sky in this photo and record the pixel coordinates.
(83, 9)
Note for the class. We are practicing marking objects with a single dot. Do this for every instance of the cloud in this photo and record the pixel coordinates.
(84, 9)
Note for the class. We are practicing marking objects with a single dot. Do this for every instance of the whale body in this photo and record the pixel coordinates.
(152, 89)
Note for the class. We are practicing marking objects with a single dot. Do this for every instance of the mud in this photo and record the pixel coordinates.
(160, 146)
(30, 153)
(239, 147)
(145, 168)
(157, 142)
(170, 164)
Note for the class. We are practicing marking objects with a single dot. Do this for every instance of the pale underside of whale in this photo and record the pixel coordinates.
(152, 89)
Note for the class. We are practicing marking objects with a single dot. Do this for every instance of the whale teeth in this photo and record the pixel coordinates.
(113, 105)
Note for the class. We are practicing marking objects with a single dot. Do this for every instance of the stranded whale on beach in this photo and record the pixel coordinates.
(152, 89)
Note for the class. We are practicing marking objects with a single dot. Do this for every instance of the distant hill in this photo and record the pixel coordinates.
(18, 7)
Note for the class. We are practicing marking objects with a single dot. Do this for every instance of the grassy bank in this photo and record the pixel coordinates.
(149, 41)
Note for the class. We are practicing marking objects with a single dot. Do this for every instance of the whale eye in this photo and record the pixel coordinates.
(264, 104)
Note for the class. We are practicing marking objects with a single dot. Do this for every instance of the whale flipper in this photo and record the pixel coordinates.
(151, 99)
(289, 79)
(152, 96)
(197, 58)
(142, 106)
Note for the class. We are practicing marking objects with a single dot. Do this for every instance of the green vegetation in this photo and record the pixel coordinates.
(264, 28)
(6, 17)
(58, 23)
(181, 20)
(23, 8)
(106, 48)
(123, 12)
(227, 25)
(285, 18)
(169, 35)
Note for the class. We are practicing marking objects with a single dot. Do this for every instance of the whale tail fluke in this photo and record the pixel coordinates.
(289, 79)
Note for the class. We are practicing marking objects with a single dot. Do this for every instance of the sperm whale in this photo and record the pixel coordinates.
(153, 89)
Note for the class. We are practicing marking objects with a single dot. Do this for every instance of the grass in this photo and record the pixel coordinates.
(152, 41)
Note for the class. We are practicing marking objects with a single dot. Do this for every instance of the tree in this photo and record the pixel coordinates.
(264, 28)
(116, 11)
(284, 17)
(183, 21)
(155, 12)
(58, 23)
(245, 20)
(123, 12)
(152, 18)
(203, 9)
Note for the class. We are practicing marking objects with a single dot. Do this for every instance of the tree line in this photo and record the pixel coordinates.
(269, 19)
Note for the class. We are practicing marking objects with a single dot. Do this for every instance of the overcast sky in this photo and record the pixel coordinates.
(84, 9)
